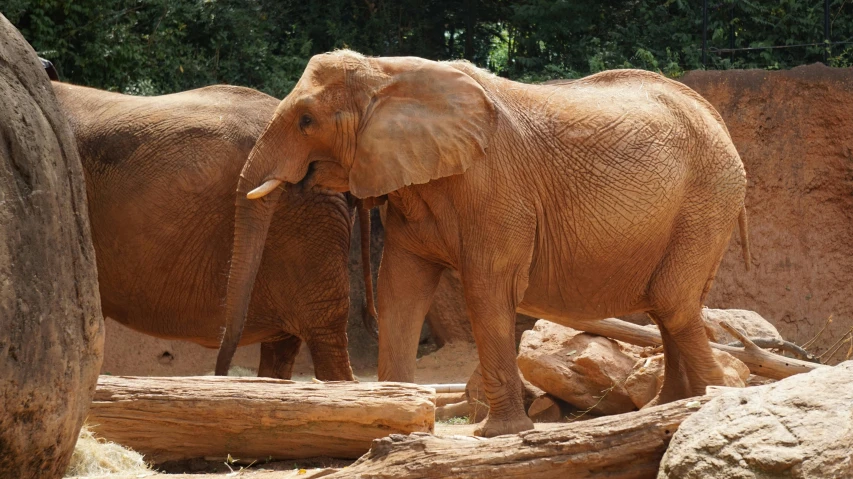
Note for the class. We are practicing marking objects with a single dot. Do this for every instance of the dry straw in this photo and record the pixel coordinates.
(95, 457)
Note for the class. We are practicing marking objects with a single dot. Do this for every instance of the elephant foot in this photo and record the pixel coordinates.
(494, 427)
(668, 395)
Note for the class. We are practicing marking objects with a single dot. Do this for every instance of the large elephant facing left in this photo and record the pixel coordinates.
(161, 178)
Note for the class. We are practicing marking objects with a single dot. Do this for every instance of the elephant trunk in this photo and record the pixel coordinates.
(251, 222)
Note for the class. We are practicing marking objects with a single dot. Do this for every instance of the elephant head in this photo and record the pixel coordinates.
(369, 126)
(372, 126)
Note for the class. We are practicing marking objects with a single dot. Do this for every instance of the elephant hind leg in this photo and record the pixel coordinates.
(689, 362)
(277, 357)
(676, 294)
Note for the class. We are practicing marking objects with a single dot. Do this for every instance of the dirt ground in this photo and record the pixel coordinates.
(128, 353)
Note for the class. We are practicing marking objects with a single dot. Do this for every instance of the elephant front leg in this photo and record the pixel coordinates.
(406, 287)
(491, 308)
(277, 358)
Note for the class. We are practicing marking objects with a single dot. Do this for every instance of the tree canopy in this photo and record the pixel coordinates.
(162, 46)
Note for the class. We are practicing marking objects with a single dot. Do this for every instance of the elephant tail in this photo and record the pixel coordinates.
(744, 236)
(368, 313)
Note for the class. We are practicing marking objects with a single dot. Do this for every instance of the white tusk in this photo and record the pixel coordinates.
(264, 189)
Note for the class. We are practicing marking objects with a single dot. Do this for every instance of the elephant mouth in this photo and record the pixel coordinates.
(306, 183)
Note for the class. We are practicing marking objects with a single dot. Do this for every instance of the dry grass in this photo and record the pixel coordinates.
(94, 457)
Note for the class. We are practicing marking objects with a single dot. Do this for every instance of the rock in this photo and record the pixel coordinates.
(585, 370)
(799, 427)
(51, 344)
(646, 380)
(748, 322)
(545, 409)
(647, 377)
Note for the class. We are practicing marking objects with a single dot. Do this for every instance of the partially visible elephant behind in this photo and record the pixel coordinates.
(161, 178)
(614, 194)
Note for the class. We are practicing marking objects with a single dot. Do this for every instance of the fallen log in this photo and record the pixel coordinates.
(176, 418)
(759, 361)
(449, 411)
(626, 446)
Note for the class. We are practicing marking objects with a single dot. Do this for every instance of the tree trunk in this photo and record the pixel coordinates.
(51, 329)
(175, 418)
(469, 30)
(626, 446)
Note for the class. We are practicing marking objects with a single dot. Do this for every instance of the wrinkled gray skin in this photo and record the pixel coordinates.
(161, 176)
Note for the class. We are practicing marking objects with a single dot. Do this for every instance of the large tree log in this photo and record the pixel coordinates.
(626, 446)
(759, 361)
(173, 418)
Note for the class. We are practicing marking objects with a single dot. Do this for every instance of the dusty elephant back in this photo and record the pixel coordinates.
(51, 343)
(161, 177)
(626, 157)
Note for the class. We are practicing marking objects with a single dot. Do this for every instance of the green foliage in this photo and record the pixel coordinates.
(148, 47)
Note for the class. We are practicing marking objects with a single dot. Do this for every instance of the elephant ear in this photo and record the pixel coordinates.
(428, 121)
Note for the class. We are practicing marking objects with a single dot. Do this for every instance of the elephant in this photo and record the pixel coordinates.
(614, 194)
(161, 175)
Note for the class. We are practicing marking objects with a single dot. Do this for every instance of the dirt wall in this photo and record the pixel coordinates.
(794, 132)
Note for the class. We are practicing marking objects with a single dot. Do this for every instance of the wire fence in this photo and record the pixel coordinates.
(827, 42)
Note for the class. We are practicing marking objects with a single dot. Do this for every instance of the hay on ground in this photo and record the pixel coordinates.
(97, 457)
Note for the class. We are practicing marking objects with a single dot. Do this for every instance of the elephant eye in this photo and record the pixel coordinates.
(305, 121)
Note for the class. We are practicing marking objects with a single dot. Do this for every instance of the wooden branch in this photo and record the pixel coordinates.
(759, 361)
(623, 446)
(448, 411)
(174, 418)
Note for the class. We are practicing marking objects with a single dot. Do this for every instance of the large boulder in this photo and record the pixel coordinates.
(800, 427)
(748, 322)
(52, 330)
(584, 370)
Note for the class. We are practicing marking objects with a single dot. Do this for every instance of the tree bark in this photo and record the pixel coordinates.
(175, 418)
(626, 446)
(759, 361)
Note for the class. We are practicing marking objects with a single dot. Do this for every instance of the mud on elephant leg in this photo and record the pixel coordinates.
(406, 287)
(277, 358)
